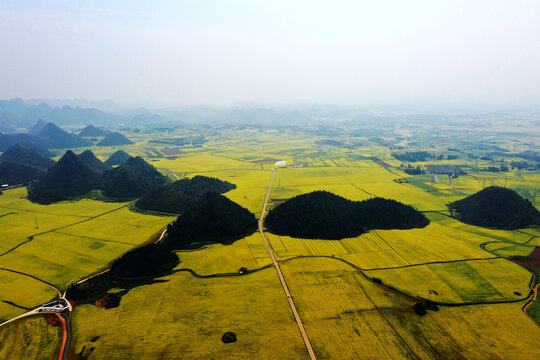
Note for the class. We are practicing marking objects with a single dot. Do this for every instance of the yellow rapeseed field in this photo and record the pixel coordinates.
(349, 317)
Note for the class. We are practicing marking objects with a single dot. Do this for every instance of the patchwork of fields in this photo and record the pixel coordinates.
(62, 243)
(344, 312)
(349, 317)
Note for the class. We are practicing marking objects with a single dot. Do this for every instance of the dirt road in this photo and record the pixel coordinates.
(280, 275)
(533, 299)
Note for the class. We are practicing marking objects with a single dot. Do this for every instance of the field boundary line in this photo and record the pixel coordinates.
(413, 297)
(31, 237)
(35, 278)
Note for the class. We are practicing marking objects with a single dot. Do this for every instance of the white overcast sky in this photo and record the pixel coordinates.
(224, 52)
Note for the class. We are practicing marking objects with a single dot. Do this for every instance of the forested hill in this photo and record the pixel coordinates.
(28, 156)
(149, 260)
(54, 137)
(74, 176)
(113, 139)
(213, 219)
(181, 195)
(12, 173)
(69, 177)
(133, 179)
(93, 131)
(496, 207)
(118, 158)
(324, 215)
(91, 160)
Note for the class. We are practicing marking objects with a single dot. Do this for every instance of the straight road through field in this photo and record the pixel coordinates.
(280, 275)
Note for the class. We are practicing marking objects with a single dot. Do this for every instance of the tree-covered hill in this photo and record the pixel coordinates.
(93, 131)
(13, 173)
(133, 179)
(25, 155)
(37, 127)
(53, 137)
(324, 215)
(150, 260)
(496, 207)
(213, 219)
(118, 158)
(91, 160)
(68, 178)
(179, 196)
(113, 139)
(7, 141)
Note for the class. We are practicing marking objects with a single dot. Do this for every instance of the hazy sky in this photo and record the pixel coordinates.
(224, 52)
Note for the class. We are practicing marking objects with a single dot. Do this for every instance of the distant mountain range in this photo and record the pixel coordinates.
(45, 136)
(21, 115)
(16, 115)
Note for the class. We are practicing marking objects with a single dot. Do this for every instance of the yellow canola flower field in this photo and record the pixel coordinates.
(346, 316)
(62, 243)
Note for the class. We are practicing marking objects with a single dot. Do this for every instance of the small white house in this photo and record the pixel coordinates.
(280, 163)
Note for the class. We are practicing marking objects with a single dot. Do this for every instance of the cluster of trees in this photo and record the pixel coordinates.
(412, 170)
(136, 267)
(502, 168)
(150, 260)
(413, 156)
(496, 207)
(213, 219)
(75, 176)
(521, 165)
(181, 195)
(324, 215)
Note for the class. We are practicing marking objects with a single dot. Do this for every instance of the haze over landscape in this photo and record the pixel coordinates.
(319, 180)
(171, 53)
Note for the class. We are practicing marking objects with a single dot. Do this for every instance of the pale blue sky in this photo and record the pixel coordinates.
(225, 52)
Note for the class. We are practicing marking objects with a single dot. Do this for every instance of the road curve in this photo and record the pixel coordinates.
(533, 299)
(66, 337)
(280, 274)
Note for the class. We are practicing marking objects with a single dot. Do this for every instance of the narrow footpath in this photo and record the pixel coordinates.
(280, 275)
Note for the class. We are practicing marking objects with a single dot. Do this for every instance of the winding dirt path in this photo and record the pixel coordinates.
(533, 299)
(280, 274)
(66, 337)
